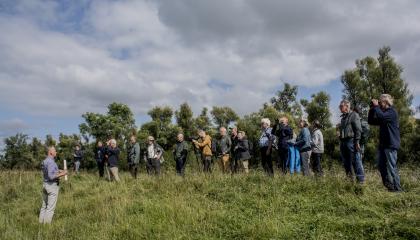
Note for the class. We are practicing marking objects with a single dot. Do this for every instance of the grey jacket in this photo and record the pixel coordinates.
(303, 141)
(180, 150)
(242, 150)
(317, 141)
(350, 127)
(133, 155)
(224, 145)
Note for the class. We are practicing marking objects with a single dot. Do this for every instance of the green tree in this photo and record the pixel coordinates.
(318, 109)
(38, 150)
(185, 120)
(18, 152)
(161, 126)
(49, 141)
(372, 77)
(223, 116)
(284, 99)
(118, 123)
(203, 120)
(66, 146)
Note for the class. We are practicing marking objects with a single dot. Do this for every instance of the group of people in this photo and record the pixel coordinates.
(296, 153)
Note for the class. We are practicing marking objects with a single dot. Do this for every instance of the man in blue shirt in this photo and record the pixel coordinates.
(382, 114)
(51, 175)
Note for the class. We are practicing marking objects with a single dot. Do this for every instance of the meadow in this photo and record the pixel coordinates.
(216, 206)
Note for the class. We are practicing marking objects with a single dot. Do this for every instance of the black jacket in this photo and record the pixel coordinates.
(242, 150)
(350, 127)
(283, 134)
(78, 155)
(389, 130)
(100, 154)
(113, 156)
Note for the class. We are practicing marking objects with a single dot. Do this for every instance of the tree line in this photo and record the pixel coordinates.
(370, 77)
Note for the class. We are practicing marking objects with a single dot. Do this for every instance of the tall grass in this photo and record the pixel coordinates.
(212, 207)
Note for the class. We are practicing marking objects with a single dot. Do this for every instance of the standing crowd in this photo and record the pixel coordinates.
(295, 153)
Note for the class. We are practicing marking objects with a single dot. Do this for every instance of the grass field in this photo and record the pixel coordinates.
(212, 207)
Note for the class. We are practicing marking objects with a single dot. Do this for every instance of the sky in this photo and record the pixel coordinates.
(60, 59)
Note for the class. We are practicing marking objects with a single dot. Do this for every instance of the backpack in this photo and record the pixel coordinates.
(274, 140)
(365, 132)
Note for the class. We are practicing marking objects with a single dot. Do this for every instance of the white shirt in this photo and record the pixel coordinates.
(151, 151)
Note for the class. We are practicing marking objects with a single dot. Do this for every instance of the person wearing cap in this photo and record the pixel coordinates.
(50, 187)
(113, 153)
(204, 144)
(303, 143)
(384, 115)
(153, 156)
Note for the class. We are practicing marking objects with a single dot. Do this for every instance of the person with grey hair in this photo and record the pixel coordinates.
(204, 144)
(317, 148)
(133, 156)
(350, 134)
(384, 115)
(153, 156)
(224, 145)
(180, 153)
(113, 153)
(265, 143)
(50, 188)
(303, 143)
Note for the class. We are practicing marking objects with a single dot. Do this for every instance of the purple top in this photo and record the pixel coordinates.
(49, 170)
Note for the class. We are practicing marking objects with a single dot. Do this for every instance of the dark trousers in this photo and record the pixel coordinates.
(266, 161)
(180, 165)
(133, 169)
(206, 163)
(387, 164)
(316, 163)
(304, 160)
(282, 159)
(101, 166)
(153, 166)
(351, 160)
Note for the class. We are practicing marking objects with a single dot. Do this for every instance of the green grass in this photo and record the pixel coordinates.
(212, 207)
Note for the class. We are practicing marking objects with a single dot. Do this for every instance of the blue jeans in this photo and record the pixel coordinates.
(352, 160)
(387, 164)
(294, 160)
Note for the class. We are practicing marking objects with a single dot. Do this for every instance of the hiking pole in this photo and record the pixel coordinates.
(197, 159)
(107, 172)
(65, 169)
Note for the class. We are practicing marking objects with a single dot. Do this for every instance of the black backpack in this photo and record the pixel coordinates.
(365, 132)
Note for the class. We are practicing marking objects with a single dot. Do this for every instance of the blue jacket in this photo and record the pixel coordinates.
(389, 130)
(113, 156)
(303, 141)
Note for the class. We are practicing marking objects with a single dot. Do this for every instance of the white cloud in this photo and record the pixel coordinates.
(145, 53)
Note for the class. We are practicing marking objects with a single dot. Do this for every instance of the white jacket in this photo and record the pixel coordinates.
(317, 141)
